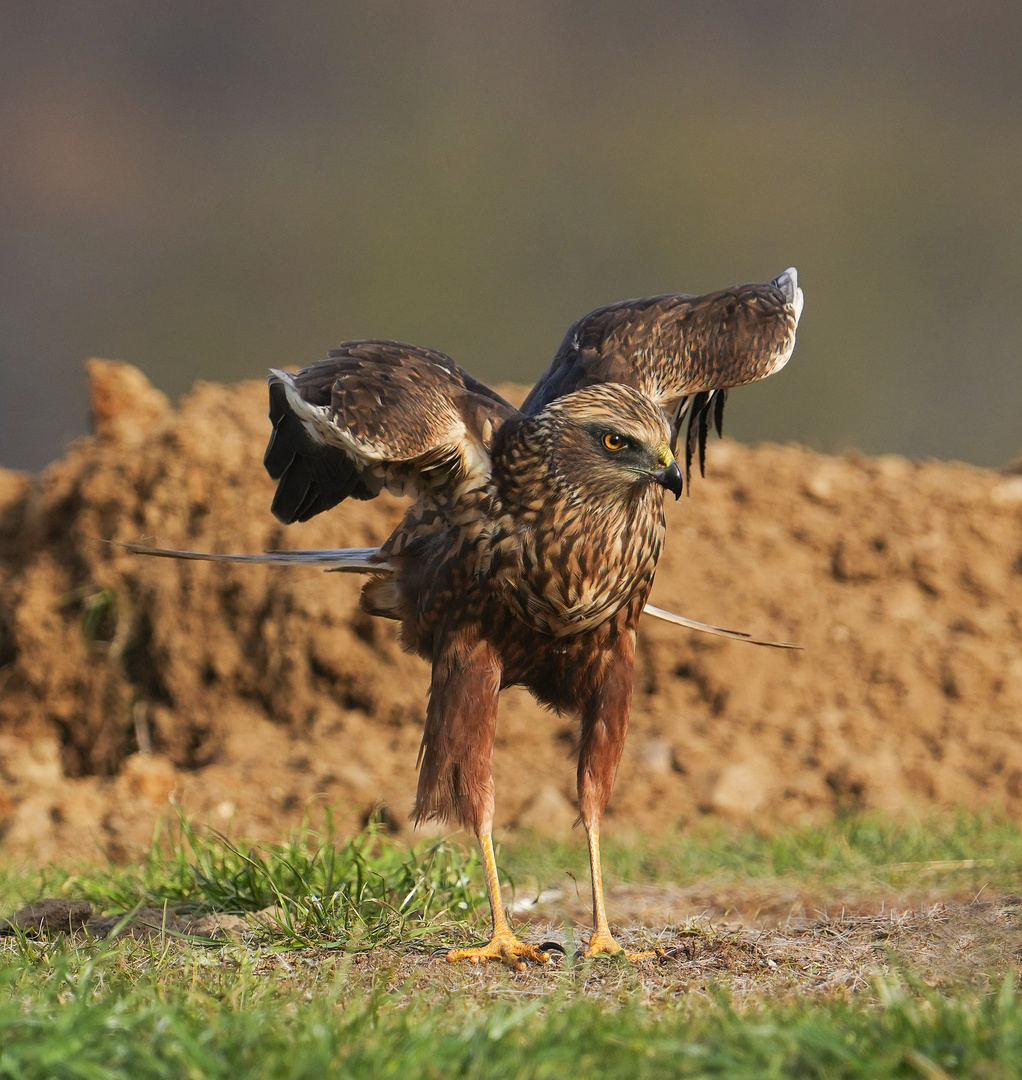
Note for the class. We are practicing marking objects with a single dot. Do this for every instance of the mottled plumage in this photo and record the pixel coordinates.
(529, 548)
(536, 574)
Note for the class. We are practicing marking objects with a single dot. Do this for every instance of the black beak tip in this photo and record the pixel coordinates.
(671, 479)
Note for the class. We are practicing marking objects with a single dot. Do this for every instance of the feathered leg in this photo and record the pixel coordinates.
(604, 726)
(455, 778)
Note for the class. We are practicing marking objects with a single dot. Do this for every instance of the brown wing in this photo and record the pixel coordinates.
(682, 351)
(375, 415)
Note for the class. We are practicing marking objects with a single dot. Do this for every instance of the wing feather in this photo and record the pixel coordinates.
(347, 560)
(675, 348)
(707, 628)
(375, 415)
(372, 561)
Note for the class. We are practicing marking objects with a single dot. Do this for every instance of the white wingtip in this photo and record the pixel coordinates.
(787, 282)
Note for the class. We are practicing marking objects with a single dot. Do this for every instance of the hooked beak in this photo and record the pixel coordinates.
(670, 475)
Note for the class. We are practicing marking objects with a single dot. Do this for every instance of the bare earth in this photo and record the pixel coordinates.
(952, 945)
(249, 693)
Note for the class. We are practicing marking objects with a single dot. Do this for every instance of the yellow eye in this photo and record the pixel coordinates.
(613, 441)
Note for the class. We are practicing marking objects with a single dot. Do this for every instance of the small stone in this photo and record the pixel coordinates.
(150, 777)
(548, 813)
(741, 789)
(656, 756)
(1007, 492)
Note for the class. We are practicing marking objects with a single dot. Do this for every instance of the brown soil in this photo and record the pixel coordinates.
(246, 693)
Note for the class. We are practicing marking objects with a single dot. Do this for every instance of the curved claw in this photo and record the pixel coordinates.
(554, 947)
(503, 947)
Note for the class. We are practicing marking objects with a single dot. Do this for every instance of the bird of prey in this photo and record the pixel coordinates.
(529, 548)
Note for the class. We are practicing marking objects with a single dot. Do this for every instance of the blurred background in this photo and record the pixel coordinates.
(208, 189)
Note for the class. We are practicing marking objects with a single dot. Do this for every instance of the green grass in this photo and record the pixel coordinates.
(304, 998)
(129, 1013)
(364, 892)
(863, 852)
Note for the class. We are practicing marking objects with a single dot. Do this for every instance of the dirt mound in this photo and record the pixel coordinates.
(245, 692)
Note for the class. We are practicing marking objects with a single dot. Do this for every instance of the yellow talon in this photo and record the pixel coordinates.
(504, 947)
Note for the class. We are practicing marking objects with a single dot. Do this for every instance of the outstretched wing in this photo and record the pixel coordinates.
(684, 352)
(375, 415)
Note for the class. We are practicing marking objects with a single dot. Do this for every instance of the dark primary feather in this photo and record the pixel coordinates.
(311, 476)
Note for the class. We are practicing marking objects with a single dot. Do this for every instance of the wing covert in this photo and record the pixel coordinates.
(375, 415)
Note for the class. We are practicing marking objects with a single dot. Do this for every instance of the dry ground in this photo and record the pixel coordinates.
(831, 950)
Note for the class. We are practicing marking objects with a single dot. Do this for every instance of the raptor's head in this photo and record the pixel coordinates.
(605, 443)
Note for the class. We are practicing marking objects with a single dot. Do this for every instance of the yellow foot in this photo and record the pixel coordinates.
(602, 944)
(605, 945)
(503, 947)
